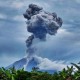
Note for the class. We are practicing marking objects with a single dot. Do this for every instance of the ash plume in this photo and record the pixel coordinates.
(40, 23)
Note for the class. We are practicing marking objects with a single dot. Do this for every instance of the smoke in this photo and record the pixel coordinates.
(40, 23)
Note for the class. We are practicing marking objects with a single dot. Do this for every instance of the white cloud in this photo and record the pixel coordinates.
(78, 1)
(7, 60)
(46, 64)
(3, 16)
(17, 4)
(63, 46)
(19, 18)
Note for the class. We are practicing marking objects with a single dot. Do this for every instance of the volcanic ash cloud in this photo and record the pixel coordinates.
(40, 23)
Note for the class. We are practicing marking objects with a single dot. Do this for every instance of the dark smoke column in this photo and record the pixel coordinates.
(40, 23)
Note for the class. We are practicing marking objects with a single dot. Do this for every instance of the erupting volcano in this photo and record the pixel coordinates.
(39, 23)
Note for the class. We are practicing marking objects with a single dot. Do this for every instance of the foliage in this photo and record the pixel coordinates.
(35, 74)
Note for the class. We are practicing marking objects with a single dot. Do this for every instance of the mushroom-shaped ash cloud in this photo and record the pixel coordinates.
(40, 22)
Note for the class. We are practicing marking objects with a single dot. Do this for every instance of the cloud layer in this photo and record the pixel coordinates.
(64, 46)
(46, 64)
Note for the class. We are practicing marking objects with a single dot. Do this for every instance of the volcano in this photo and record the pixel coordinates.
(39, 23)
(22, 62)
(43, 64)
(33, 62)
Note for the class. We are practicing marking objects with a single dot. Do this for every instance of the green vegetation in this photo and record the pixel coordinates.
(65, 74)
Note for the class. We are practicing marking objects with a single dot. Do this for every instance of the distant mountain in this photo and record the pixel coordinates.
(18, 64)
(32, 62)
(22, 63)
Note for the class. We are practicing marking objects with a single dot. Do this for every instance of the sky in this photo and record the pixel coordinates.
(65, 45)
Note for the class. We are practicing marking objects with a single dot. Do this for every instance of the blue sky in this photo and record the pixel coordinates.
(65, 45)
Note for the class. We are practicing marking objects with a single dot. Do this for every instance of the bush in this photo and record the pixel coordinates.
(65, 74)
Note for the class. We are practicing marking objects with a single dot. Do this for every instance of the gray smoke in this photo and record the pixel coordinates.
(40, 23)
